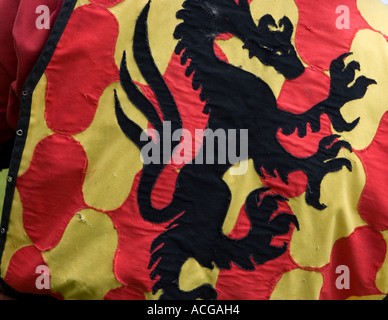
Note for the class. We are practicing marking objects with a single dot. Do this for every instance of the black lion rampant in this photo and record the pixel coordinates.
(235, 99)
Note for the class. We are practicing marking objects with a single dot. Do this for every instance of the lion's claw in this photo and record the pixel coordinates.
(342, 75)
(341, 92)
(324, 162)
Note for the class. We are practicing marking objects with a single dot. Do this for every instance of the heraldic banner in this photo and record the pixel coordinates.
(203, 149)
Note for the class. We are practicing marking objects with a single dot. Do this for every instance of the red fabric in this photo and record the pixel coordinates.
(135, 236)
(318, 40)
(21, 45)
(46, 221)
(363, 252)
(90, 44)
(23, 275)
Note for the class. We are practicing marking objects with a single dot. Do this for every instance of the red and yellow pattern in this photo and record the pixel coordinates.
(75, 207)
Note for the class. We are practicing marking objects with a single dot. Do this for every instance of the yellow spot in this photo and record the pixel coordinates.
(193, 275)
(311, 246)
(370, 109)
(81, 265)
(375, 13)
(240, 186)
(113, 159)
(306, 285)
(81, 218)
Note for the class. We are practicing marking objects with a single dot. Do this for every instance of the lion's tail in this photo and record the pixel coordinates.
(151, 171)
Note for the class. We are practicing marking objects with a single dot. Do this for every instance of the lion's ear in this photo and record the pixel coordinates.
(287, 26)
(265, 24)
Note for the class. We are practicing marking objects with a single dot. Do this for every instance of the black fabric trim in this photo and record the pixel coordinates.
(24, 121)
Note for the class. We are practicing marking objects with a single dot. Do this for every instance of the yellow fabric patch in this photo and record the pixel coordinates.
(375, 13)
(375, 102)
(16, 236)
(160, 26)
(108, 181)
(277, 8)
(240, 187)
(306, 285)
(187, 280)
(81, 265)
(311, 246)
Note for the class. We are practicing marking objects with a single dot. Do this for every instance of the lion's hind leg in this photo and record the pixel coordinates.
(170, 251)
(265, 225)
